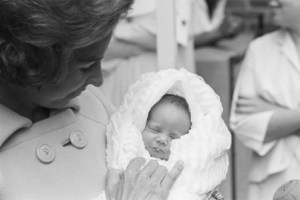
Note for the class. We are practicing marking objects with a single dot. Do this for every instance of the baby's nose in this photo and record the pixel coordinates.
(163, 140)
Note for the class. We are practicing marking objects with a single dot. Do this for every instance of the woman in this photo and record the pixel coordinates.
(52, 126)
(265, 111)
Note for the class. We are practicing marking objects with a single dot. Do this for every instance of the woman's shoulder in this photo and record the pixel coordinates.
(267, 40)
(95, 105)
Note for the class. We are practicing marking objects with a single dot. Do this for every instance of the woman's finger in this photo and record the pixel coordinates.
(144, 178)
(159, 174)
(149, 169)
(136, 164)
(131, 174)
(172, 176)
(134, 167)
(113, 178)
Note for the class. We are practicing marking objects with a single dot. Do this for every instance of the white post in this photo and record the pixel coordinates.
(166, 34)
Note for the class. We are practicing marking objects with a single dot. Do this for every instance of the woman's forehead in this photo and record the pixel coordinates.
(93, 51)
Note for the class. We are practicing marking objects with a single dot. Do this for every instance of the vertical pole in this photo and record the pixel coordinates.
(166, 34)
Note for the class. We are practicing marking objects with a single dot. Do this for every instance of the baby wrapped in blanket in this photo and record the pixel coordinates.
(173, 115)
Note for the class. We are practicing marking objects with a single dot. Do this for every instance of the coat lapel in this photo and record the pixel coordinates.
(289, 50)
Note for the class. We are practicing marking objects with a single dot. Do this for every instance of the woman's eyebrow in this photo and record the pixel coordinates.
(89, 60)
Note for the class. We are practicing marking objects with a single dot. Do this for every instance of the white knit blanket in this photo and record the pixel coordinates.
(203, 149)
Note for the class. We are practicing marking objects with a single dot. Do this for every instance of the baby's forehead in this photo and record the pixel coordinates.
(169, 106)
(169, 112)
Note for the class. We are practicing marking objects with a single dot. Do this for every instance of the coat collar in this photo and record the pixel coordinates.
(288, 48)
(10, 121)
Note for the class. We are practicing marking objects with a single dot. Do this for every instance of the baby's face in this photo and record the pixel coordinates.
(167, 122)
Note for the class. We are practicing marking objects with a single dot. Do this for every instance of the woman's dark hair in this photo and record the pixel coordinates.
(178, 101)
(37, 37)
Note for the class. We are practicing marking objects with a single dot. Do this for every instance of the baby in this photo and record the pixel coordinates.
(169, 116)
(168, 119)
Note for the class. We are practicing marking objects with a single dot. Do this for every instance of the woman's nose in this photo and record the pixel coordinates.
(274, 4)
(95, 76)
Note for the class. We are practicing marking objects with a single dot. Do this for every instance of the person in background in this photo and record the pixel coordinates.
(212, 23)
(52, 124)
(265, 113)
(288, 190)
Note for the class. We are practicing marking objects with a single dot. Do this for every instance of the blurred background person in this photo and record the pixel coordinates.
(214, 23)
(265, 113)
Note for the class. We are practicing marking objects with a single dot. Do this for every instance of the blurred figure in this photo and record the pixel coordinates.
(288, 191)
(213, 24)
(132, 51)
(265, 113)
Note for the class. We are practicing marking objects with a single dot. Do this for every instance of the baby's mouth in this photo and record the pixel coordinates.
(160, 153)
(158, 150)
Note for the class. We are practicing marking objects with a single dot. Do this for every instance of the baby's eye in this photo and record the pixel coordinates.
(173, 136)
(155, 130)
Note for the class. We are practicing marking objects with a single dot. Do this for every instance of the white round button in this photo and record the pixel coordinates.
(78, 139)
(45, 153)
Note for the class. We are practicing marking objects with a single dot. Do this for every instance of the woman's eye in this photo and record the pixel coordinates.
(86, 68)
(90, 66)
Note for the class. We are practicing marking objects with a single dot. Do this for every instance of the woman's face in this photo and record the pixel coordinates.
(166, 122)
(84, 69)
(285, 13)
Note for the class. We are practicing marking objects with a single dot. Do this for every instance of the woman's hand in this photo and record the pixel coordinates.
(231, 26)
(246, 105)
(153, 182)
